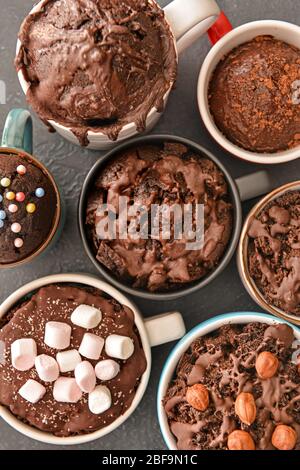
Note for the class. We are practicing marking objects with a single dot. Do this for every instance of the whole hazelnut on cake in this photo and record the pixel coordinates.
(240, 440)
(266, 365)
(197, 396)
(284, 437)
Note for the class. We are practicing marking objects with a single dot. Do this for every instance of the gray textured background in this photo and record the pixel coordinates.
(70, 164)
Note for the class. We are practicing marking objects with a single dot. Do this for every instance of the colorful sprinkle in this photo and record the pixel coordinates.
(1, 224)
(2, 215)
(21, 170)
(40, 192)
(20, 197)
(10, 195)
(13, 208)
(5, 182)
(18, 243)
(16, 228)
(31, 208)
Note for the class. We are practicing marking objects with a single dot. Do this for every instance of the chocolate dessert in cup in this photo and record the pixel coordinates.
(158, 170)
(232, 382)
(248, 91)
(75, 357)
(100, 73)
(269, 252)
(31, 208)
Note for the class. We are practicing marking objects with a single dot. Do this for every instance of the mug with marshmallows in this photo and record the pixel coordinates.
(75, 357)
(96, 82)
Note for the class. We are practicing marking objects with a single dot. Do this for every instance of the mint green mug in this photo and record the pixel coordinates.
(17, 140)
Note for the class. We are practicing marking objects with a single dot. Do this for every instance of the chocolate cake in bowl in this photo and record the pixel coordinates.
(72, 360)
(234, 388)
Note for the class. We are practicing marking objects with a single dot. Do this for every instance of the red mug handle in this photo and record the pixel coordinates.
(221, 27)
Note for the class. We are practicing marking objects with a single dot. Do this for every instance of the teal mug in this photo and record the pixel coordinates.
(17, 142)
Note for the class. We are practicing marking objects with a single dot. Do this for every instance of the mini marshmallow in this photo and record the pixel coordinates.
(32, 391)
(47, 368)
(23, 353)
(99, 400)
(107, 370)
(85, 376)
(57, 335)
(66, 390)
(86, 316)
(120, 347)
(68, 360)
(91, 346)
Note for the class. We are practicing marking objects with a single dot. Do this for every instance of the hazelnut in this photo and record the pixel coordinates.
(266, 365)
(240, 440)
(197, 396)
(284, 437)
(245, 408)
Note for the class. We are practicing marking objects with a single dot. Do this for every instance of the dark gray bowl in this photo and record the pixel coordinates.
(189, 288)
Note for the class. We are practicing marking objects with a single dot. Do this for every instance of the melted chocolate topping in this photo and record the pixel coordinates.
(170, 174)
(97, 65)
(56, 303)
(227, 367)
(274, 252)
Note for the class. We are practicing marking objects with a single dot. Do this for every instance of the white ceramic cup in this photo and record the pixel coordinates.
(281, 30)
(188, 20)
(242, 253)
(200, 330)
(153, 331)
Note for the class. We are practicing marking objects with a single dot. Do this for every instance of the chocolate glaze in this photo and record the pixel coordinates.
(56, 303)
(251, 92)
(166, 174)
(228, 358)
(97, 65)
(274, 252)
(35, 227)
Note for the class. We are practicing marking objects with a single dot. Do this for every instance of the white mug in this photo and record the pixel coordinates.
(153, 331)
(188, 20)
(207, 327)
(281, 30)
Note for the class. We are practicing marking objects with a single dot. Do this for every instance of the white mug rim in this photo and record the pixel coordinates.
(90, 281)
(219, 137)
(206, 327)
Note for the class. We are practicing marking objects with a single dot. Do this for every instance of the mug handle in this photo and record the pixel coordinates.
(17, 131)
(190, 19)
(221, 27)
(164, 328)
(254, 185)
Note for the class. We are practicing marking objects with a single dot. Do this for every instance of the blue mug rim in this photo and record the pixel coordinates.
(196, 328)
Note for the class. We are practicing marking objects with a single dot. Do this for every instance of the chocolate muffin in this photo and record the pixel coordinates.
(56, 303)
(274, 252)
(28, 206)
(237, 388)
(160, 175)
(252, 95)
(97, 65)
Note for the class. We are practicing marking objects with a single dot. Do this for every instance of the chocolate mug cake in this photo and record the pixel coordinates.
(274, 252)
(72, 361)
(97, 66)
(160, 174)
(252, 95)
(28, 207)
(237, 388)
